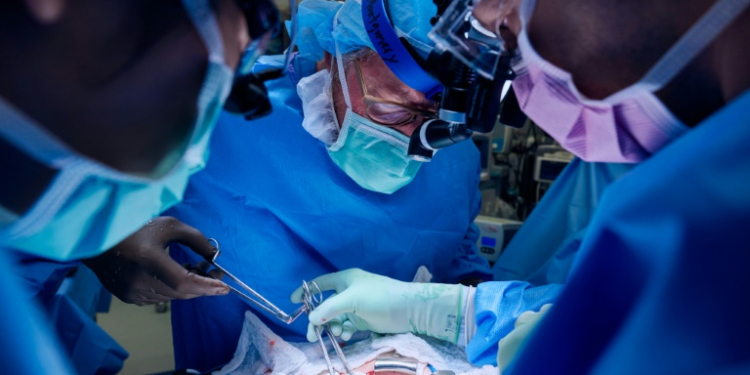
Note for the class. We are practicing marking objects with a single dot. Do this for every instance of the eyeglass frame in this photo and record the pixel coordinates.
(370, 100)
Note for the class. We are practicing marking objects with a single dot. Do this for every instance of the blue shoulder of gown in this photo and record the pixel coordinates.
(662, 280)
(535, 265)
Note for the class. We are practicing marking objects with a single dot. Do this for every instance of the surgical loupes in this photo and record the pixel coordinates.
(310, 300)
(256, 298)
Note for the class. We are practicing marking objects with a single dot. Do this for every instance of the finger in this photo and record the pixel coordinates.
(159, 299)
(348, 329)
(190, 237)
(153, 294)
(545, 308)
(158, 288)
(524, 318)
(177, 278)
(333, 307)
(297, 295)
(311, 335)
(335, 325)
(148, 286)
(191, 268)
(202, 269)
(151, 301)
(143, 301)
(332, 281)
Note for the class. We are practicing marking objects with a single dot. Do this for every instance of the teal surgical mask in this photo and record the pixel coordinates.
(90, 207)
(373, 155)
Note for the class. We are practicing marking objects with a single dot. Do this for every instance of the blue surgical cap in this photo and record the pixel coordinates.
(316, 31)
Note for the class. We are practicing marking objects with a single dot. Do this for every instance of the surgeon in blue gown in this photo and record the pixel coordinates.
(95, 142)
(673, 278)
(659, 282)
(283, 210)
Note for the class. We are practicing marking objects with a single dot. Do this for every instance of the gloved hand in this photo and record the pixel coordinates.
(508, 347)
(365, 301)
(138, 270)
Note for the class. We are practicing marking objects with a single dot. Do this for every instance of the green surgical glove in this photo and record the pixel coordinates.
(510, 344)
(369, 302)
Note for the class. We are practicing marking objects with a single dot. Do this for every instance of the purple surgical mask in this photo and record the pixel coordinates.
(626, 127)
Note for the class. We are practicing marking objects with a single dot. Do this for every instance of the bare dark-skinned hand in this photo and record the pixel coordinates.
(138, 270)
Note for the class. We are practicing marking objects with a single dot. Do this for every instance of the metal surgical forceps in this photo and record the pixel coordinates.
(256, 298)
(309, 301)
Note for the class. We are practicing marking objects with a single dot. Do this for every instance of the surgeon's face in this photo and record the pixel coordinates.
(609, 45)
(372, 84)
(118, 80)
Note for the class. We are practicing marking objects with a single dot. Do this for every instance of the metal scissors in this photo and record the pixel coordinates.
(310, 300)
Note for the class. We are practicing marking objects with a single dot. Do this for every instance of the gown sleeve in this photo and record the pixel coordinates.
(497, 305)
(662, 278)
(30, 343)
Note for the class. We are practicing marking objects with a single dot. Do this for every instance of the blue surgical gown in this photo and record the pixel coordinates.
(661, 284)
(70, 304)
(28, 342)
(283, 212)
(532, 270)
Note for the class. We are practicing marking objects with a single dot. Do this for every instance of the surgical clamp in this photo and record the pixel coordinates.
(259, 300)
(310, 302)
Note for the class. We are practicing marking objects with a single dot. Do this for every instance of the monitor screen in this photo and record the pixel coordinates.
(550, 169)
(488, 241)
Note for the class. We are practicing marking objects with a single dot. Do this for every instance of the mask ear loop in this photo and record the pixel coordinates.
(342, 78)
(344, 127)
(33, 139)
(339, 122)
(340, 64)
(205, 23)
(293, 37)
(693, 42)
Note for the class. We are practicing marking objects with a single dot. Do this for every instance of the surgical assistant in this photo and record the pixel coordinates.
(315, 219)
(661, 264)
(93, 157)
(286, 205)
